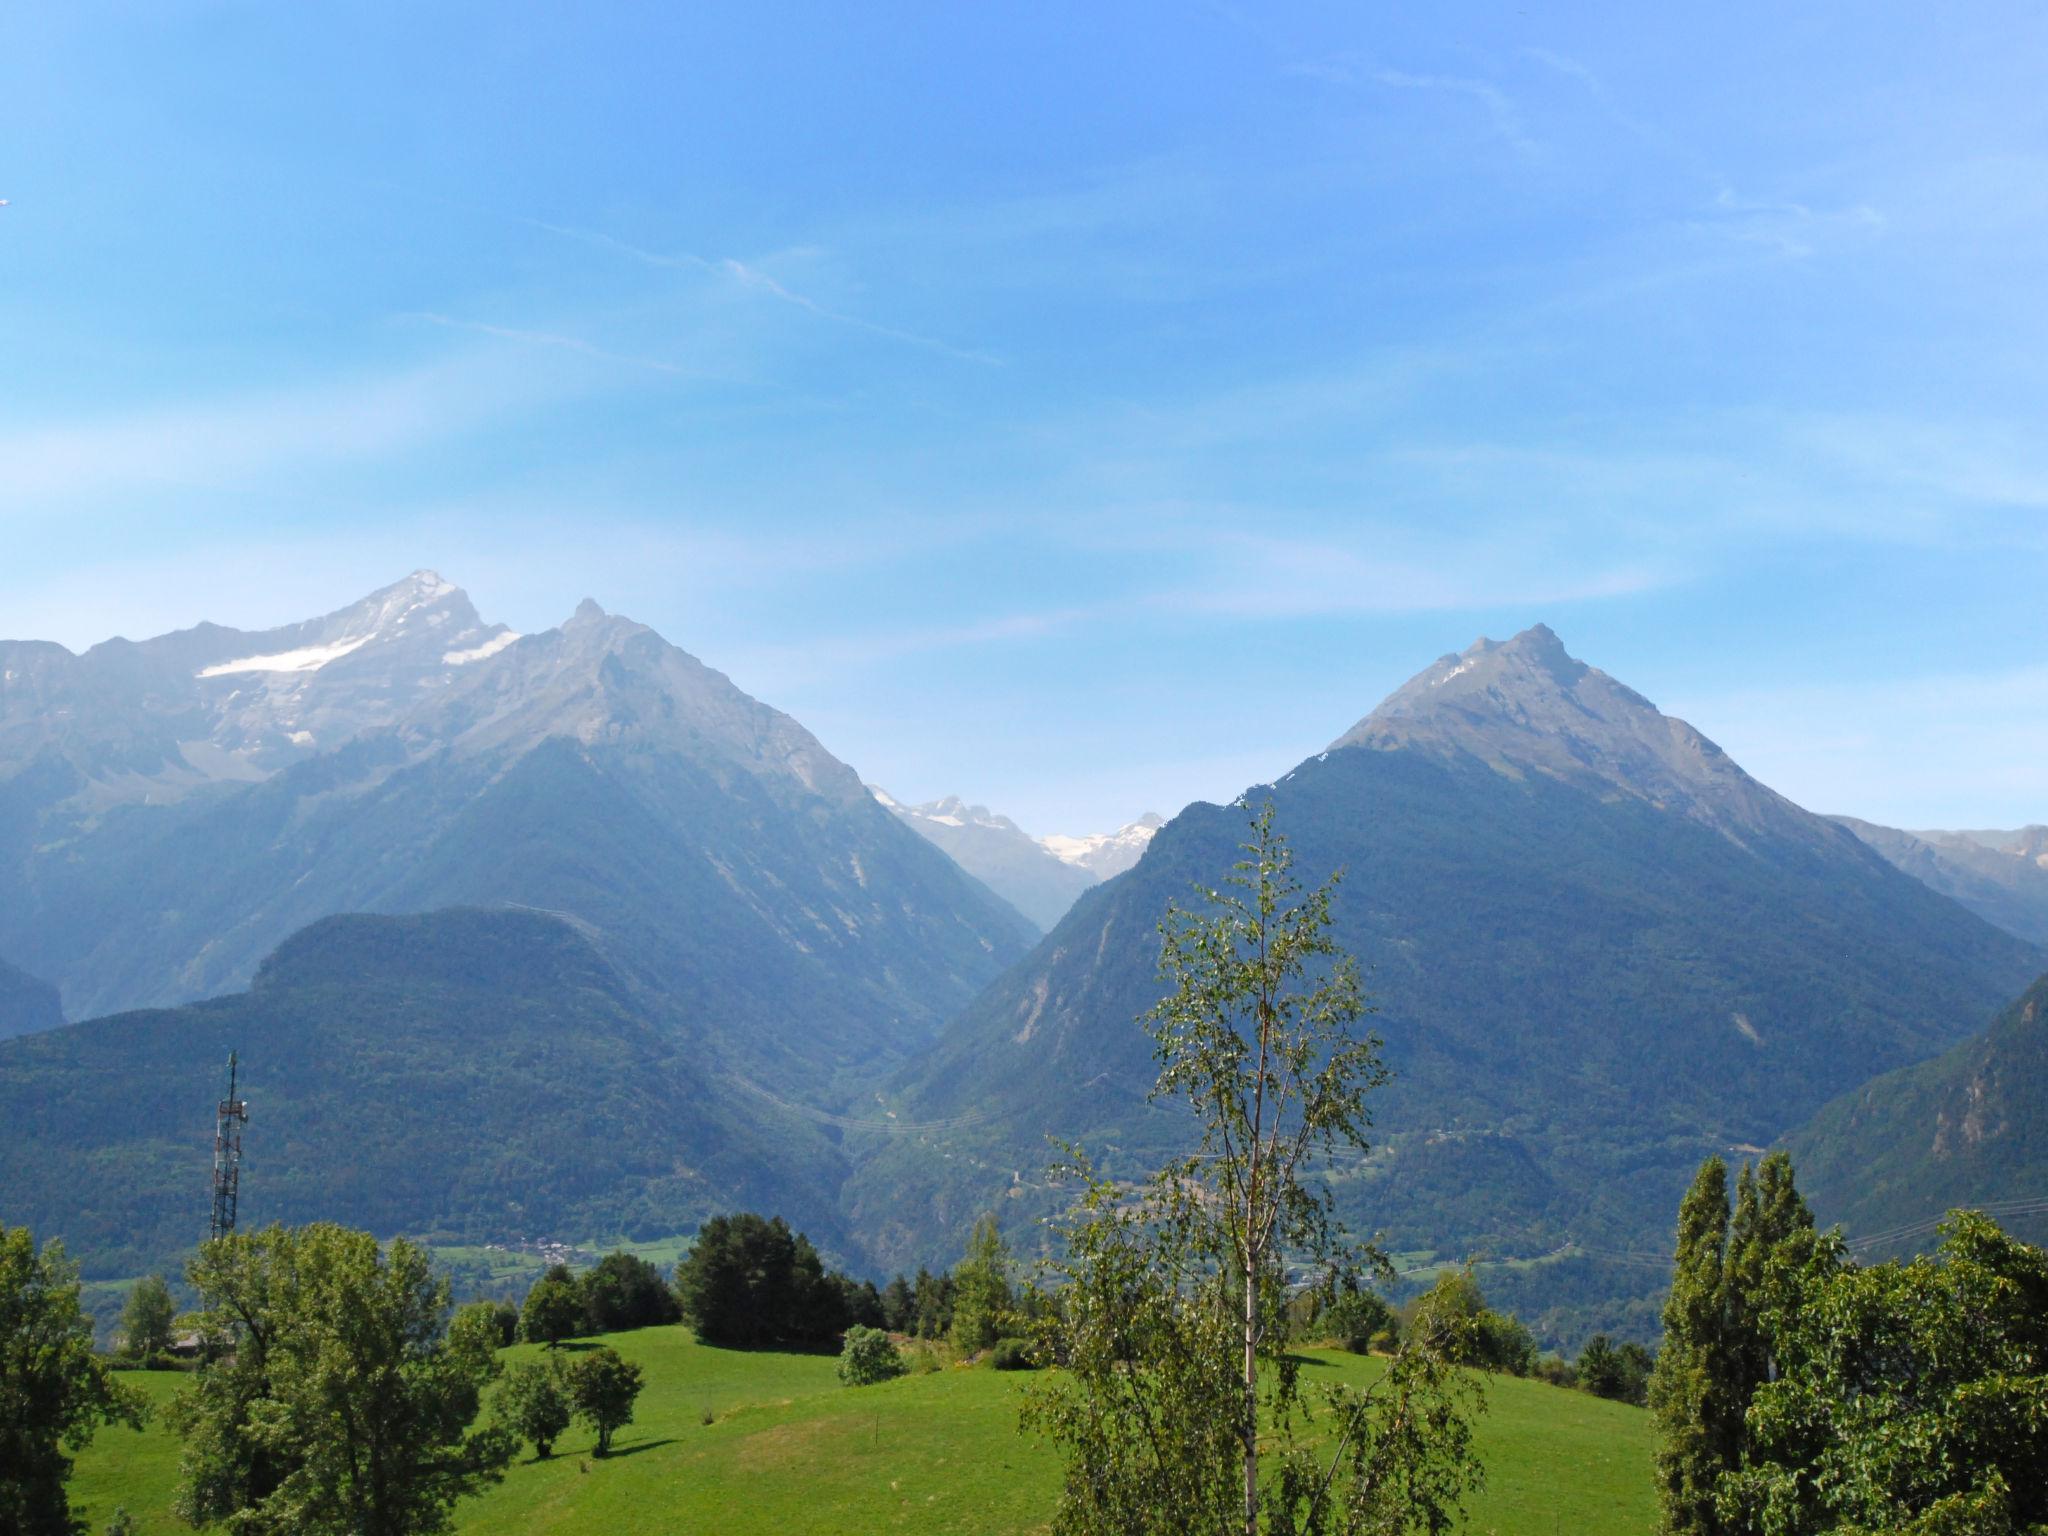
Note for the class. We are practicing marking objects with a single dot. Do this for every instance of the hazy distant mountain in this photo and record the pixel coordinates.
(26, 1004)
(461, 1075)
(1039, 876)
(1598, 948)
(2001, 876)
(1106, 854)
(999, 853)
(1967, 1128)
(171, 810)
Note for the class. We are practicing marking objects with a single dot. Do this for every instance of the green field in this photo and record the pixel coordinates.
(789, 1450)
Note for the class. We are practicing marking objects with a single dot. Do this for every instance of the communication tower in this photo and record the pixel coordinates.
(227, 1156)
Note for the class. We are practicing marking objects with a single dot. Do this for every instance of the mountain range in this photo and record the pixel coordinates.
(2001, 876)
(1039, 876)
(172, 811)
(450, 888)
(1598, 951)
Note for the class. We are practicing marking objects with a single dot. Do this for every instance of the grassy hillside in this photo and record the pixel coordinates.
(789, 1450)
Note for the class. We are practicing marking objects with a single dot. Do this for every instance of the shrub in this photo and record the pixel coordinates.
(1012, 1355)
(1355, 1320)
(870, 1356)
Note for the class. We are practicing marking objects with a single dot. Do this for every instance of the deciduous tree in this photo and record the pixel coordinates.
(1178, 1409)
(147, 1319)
(54, 1393)
(603, 1385)
(553, 1310)
(337, 1400)
(534, 1401)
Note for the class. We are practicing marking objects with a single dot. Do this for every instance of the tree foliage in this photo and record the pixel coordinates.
(336, 1400)
(553, 1310)
(603, 1386)
(1907, 1397)
(1178, 1409)
(147, 1319)
(54, 1393)
(981, 1289)
(750, 1281)
(534, 1403)
(1716, 1350)
(624, 1291)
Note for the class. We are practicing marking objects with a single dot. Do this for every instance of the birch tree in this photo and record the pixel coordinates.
(1178, 1408)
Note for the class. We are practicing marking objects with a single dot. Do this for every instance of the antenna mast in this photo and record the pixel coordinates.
(227, 1156)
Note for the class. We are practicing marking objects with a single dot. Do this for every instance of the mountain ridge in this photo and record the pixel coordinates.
(733, 863)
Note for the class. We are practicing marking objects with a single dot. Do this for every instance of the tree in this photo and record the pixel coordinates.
(750, 1281)
(981, 1289)
(899, 1306)
(602, 1386)
(554, 1308)
(1618, 1372)
(146, 1319)
(931, 1312)
(1716, 1351)
(870, 1356)
(1171, 1318)
(1909, 1397)
(54, 1393)
(503, 1320)
(625, 1291)
(336, 1397)
(534, 1402)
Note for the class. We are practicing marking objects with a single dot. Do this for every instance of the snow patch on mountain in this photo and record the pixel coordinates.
(307, 658)
(482, 652)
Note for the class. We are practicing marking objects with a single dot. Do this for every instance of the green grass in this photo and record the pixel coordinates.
(789, 1450)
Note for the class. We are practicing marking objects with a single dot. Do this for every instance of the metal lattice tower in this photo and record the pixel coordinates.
(227, 1157)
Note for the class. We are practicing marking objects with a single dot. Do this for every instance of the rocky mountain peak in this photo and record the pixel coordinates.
(1527, 705)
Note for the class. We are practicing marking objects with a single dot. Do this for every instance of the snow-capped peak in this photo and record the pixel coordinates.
(1104, 854)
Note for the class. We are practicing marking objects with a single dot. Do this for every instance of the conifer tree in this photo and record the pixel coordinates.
(1717, 1352)
(1691, 1389)
(981, 1288)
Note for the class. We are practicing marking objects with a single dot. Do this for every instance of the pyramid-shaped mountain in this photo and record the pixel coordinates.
(1597, 947)
(172, 810)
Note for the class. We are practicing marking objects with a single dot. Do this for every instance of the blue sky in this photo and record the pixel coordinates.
(1081, 408)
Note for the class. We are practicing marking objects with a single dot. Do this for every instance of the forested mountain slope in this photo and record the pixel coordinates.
(461, 1075)
(1967, 1128)
(26, 1004)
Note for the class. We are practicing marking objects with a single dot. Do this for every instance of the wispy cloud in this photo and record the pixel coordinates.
(547, 339)
(1501, 110)
(1499, 106)
(754, 278)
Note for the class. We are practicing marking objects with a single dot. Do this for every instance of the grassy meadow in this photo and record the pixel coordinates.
(740, 1442)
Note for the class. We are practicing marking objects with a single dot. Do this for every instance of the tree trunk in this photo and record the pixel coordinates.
(1251, 1402)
